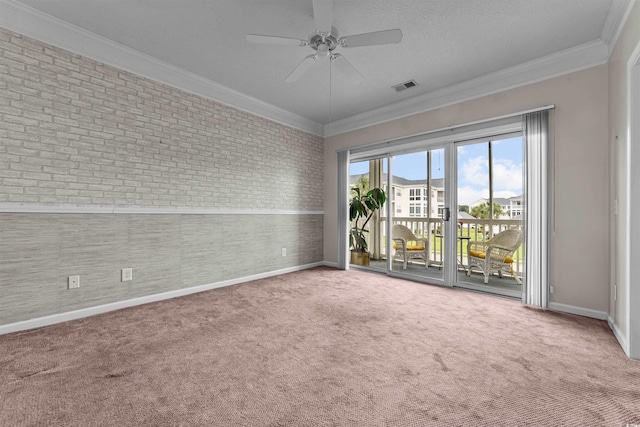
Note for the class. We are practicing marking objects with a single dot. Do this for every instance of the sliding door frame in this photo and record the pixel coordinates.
(487, 139)
(427, 146)
(483, 129)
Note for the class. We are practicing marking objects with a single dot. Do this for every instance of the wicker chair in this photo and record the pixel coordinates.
(494, 255)
(408, 246)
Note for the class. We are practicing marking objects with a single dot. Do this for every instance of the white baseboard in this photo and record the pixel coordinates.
(587, 312)
(618, 334)
(601, 315)
(330, 264)
(91, 311)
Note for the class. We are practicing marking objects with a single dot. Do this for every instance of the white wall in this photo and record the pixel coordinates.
(624, 309)
(579, 244)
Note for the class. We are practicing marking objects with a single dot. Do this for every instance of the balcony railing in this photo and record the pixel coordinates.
(475, 229)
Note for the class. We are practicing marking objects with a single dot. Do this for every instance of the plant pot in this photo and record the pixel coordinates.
(360, 258)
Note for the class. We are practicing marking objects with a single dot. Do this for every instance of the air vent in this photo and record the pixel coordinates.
(405, 85)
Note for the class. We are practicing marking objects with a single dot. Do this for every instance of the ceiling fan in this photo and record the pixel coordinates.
(324, 40)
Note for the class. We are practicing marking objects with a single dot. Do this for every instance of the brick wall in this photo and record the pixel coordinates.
(77, 132)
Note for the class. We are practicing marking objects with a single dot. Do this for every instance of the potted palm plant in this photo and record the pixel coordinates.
(361, 208)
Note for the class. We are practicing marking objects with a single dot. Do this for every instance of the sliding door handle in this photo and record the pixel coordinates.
(446, 214)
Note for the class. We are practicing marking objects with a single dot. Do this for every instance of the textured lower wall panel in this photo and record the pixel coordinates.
(221, 247)
(39, 251)
(158, 239)
(94, 247)
(202, 245)
(29, 260)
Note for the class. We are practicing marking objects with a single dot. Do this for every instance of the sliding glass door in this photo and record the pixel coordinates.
(453, 213)
(490, 215)
(418, 204)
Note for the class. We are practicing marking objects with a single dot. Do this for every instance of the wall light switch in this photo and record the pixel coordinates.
(284, 251)
(127, 274)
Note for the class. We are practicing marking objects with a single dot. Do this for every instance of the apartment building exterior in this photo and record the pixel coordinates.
(511, 207)
(412, 197)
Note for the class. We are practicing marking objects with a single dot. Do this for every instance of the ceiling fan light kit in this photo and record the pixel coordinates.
(325, 40)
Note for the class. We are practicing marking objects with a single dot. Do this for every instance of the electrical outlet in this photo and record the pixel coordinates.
(127, 274)
(552, 289)
(284, 251)
(74, 282)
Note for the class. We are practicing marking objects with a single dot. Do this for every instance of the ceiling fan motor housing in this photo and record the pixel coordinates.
(317, 40)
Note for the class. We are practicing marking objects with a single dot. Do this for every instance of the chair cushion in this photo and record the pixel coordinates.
(410, 247)
(477, 254)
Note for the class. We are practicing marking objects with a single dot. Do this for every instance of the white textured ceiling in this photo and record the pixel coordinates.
(445, 42)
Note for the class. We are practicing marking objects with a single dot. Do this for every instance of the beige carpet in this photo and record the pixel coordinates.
(321, 348)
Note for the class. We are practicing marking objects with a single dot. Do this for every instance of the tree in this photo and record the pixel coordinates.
(482, 211)
(463, 208)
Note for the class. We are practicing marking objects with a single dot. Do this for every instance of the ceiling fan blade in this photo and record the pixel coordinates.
(323, 15)
(301, 68)
(284, 41)
(372, 39)
(348, 70)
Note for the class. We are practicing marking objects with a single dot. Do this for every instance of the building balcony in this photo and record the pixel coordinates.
(468, 229)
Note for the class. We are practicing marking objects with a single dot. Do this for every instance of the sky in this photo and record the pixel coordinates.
(473, 168)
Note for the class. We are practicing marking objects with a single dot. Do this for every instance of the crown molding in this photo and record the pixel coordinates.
(46, 28)
(567, 61)
(616, 18)
(40, 26)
